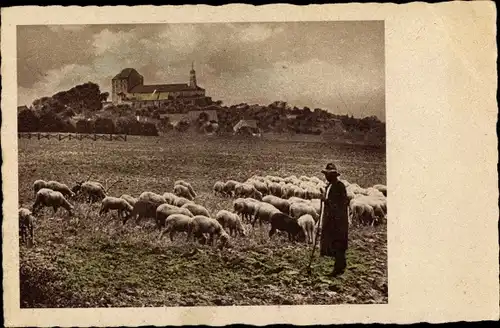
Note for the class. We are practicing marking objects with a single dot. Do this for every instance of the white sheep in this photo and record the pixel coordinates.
(39, 184)
(246, 190)
(50, 198)
(219, 188)
(245, 207)
(183, 191)
(176, 223)
(196, 209)
(230, 222)
(180, 201)
(298, 209)
(229, 187)
(205, 225)
(165, 210)
(306, 222)
(263, 212)
(187, 185)
(361, 213)
(26, 227)
(92, 190)
(131, 200)
(152, 197)
(382, 188)
(276, 189)
(61, 187)
(170, 198)
(282, 204)
(142, 209)
(123, 207)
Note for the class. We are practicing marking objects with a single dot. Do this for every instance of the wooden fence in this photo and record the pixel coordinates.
(69, 136)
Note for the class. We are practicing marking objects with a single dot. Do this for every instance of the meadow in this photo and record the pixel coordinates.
(92, 261)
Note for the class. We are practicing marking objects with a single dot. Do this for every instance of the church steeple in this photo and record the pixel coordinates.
(192, 76)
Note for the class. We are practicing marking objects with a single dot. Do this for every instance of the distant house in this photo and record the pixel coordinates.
(247, 127)
(194, 115)
(146, 119)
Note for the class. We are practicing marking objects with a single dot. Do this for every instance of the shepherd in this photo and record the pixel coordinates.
(334, 220)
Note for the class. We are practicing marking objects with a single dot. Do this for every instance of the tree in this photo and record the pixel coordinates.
(104, 96)
(104, 125)
(27, 121)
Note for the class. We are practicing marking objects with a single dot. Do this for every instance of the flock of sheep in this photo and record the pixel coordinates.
(291, 204)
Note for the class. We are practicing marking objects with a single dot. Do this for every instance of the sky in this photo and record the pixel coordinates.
(334, 65)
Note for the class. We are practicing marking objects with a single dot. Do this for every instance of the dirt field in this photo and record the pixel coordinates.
(92, 261)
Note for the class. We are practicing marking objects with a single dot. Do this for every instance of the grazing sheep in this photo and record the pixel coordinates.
(263, 212)
(306, 222)
(230, 222)
(247, 190)
(261, 187)
(229, 187)
(245, 207)
(381, 188)
(219, 188)
(113, 203)
(187, 185)
(181, 201)
(183, 191)
(283, 222)
(204, 225)
(196, 209)
(39, 184)
(176, 223)
(298, 209)
(294, 199)
(142, 209)
(281, 204)
(131, 200)
(61, 187)
(276, 189)
(362, 213)
(93, 191)
(26, 227)
(152, 197)
(165, 210)
(170, 198)
(50, 198)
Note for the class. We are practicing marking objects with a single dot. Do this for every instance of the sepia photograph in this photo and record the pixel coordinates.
(202, 164)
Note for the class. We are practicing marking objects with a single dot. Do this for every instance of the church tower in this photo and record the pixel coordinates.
(192, 77)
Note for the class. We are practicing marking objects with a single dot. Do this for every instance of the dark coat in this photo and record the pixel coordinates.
(335, 223)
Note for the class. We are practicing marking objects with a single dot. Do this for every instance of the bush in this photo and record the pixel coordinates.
(104, 125)
(27, 121)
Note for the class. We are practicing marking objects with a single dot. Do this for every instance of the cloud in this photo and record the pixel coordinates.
(258, 33)
(62, 28)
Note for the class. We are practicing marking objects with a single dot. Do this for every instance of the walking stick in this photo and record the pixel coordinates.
(309, 270)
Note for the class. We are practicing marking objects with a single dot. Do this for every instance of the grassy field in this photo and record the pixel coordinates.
(92, 261)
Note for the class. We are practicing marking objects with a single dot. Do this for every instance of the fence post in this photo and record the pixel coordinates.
(125, 137)
(111, 137)
(38, 135)
(95, 137)
(59, 136)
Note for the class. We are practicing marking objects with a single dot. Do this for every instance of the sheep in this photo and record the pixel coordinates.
(61, 187)
(229, 187)
(183, 191)
(283, 222)
(245, 207)
(196, 209)
(298, 209)
(378, 206)
(93, 191)
(170, 198)
(294, 199)
(131, 200)
(276, 189)
(113, 203)
(165, 210)
(204, 225)
(219, 188)
(247, 190)
(381, 188)
(187, 185)
(142, 209)
(26, 226)
(152, 197)
(281, 204)
(306, 222)
(39, 184)
(50, 198)
(261, 187)
(263, 212)
(361, 213)
(181, 201)
(231, 222)
(176, 223)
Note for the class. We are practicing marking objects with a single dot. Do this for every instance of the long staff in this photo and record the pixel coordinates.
(309, 270)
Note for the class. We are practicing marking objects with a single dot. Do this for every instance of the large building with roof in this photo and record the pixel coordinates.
(128, 88)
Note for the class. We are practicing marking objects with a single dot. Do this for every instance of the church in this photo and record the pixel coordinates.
(128, 88)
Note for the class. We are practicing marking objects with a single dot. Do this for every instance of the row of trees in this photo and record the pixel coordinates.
(47, 121)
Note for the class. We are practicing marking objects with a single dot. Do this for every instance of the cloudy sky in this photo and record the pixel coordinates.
(337, 66)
